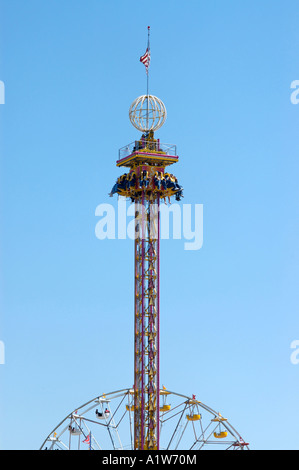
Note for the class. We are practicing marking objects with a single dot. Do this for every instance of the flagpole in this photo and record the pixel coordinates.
(147, 84)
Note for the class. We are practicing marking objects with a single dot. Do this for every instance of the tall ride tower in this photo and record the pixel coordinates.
(146, 183)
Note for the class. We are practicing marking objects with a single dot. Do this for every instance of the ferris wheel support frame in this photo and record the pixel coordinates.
(186, 415)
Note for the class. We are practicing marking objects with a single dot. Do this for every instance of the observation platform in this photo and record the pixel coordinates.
(150, 152)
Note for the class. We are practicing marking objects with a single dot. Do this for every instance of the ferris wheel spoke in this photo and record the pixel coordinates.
(131, 428)
(114, 414)
(112, 440)
(201, 443)
(202, 438)
(171, 413)
(64, 446)
(181, 413)
(179, 437)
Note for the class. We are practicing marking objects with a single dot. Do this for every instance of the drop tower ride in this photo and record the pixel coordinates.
(147, 182)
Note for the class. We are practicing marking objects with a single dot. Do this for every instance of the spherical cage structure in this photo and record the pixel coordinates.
(147, 113)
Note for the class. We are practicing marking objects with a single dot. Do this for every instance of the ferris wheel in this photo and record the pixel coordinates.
(106, 422)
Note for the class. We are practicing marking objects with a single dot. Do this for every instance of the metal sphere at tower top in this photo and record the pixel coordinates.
(147, 113)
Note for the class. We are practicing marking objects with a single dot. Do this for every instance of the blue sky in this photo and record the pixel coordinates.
(229, 311)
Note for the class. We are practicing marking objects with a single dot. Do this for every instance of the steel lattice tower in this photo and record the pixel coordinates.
(146, 184)
(146, 375)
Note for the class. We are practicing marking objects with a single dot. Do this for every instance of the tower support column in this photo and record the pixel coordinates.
(146, 380)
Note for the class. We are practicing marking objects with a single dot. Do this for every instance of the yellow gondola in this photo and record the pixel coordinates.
(195, 417)
(165, 408)
(220, 435)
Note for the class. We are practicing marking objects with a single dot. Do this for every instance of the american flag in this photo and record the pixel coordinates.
(145, 59)
(88, 441)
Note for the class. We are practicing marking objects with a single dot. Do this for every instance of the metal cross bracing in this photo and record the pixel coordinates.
(146, 373)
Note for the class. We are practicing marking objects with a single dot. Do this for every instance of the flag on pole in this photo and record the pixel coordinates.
(145, 59)
(88, 440)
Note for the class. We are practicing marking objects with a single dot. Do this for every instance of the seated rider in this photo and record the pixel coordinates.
(144, 180)
(132, 179)
(157, 179)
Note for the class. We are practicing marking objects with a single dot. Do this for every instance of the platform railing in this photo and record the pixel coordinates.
(146, 146)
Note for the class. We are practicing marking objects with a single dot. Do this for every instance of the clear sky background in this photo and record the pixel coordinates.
(229, 311)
